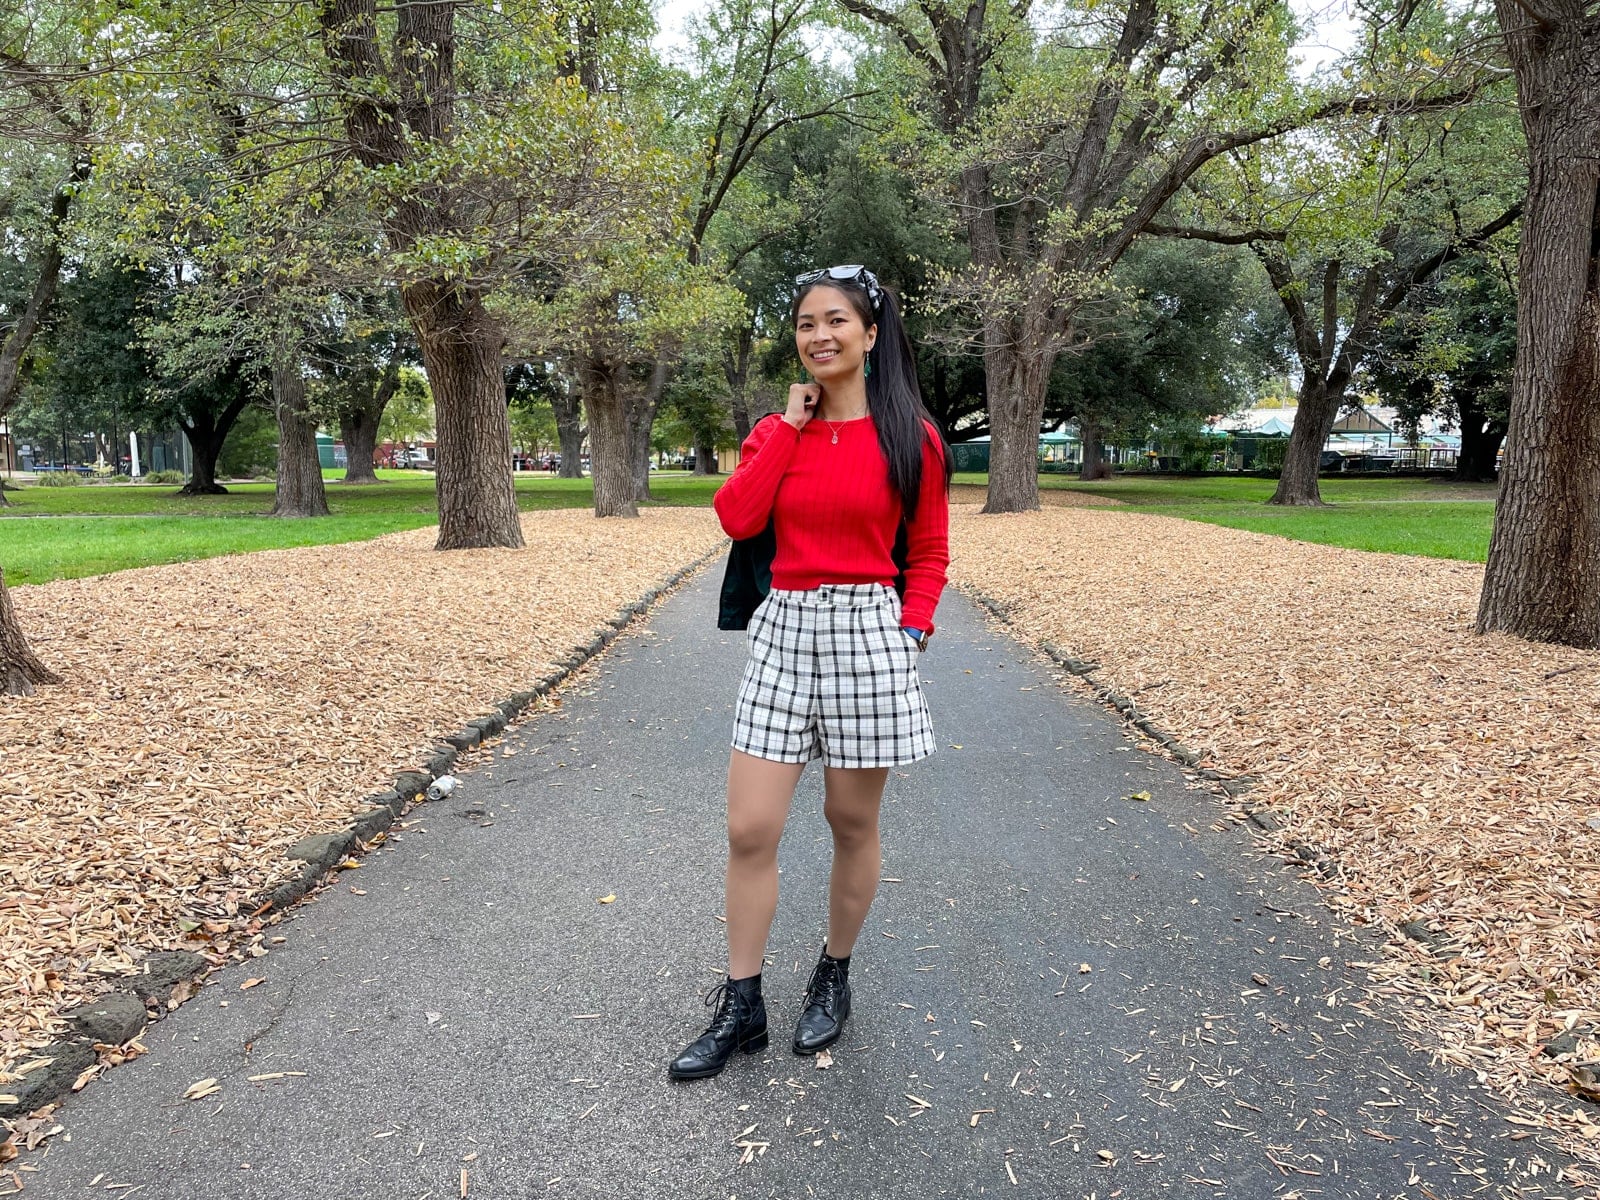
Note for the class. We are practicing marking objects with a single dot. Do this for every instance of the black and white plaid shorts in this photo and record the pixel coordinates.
(831, 674)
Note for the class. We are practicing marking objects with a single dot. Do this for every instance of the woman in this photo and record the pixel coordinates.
(833, 650)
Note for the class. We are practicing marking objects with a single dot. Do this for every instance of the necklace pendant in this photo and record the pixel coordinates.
(835, 439)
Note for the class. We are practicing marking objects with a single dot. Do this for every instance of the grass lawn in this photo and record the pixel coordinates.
(56, 533)
(59, 533)
(1392, 515)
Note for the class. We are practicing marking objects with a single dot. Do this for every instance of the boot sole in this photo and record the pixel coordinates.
(753, 1045)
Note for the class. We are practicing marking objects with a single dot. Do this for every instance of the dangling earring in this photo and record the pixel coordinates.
(866, 368)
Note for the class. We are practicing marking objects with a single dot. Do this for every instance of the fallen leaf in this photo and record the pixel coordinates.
(1138, 796)
(611, 899)
(824, 1060)
(250, 983)
(201, 1089)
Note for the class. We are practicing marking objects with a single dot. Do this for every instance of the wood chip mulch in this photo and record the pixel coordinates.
(216, 712)
(1454, 778)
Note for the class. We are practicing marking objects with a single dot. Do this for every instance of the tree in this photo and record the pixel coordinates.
(530, 389)
(1175, 345)
(449, 143)
(357, 354)
(40, 103)
(409, 414)
(696, 405)
(1056, 150)
(475, 184)
(1450, 356)
(1356, 219)
(750, 76)
(1543, 576)
(298, 489)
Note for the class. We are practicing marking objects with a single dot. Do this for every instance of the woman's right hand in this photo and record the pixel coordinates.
(803, 400)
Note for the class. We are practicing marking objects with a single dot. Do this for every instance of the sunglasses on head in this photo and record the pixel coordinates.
(851, 273)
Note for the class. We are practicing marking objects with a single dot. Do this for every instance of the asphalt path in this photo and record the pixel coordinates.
(1060, 991)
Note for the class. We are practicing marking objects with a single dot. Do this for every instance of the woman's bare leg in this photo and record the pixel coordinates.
(759, 794)
(853, 800)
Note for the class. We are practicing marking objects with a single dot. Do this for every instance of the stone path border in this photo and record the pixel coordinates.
(167, 976)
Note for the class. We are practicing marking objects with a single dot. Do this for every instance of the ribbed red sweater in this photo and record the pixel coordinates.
(834, 512)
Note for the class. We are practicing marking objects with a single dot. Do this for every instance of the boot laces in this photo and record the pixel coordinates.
(728, 1000)
(826, 986)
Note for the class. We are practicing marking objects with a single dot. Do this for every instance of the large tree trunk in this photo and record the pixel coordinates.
(736, 368)
(641, 416)
(1543, 577)
(642, 421)
(609, 437)
(1302, 458)
(205, 448)
(1094, 452)
(206, 432)
(462, 350)
(299, 491)
(20, 670)
(359, 433)
(568, 406)
(358, 428)
(1480, 442)
(1016, 385)
(704, 452)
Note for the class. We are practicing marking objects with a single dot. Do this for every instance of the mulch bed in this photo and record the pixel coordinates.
(216, 712)
(1454, 778)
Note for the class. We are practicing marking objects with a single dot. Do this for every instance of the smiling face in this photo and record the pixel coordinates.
(831, 334)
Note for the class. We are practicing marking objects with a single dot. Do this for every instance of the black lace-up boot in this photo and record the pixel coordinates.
(827, 1005)
(740, 1023)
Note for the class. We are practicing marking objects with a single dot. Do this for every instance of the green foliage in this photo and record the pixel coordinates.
(409, 415)
(252, 446)
(60, 479)
(1167, 350)
(164, 477)
(1270, 453)
(696, 409)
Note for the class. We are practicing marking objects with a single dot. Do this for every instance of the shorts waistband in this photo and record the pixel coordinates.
(834, 595)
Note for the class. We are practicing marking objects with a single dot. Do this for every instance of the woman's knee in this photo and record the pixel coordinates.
(753, 839)
(852, 824)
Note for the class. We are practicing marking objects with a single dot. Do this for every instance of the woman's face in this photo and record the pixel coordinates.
(830, 335)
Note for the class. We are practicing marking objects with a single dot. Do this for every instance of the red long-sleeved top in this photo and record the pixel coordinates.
(834, 512)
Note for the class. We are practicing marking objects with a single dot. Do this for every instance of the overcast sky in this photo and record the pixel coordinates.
(1331, 27)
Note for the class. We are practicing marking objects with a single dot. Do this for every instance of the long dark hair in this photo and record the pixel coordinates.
(893, 396)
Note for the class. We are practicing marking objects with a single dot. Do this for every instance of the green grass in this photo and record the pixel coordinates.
(397, 493)
(62, 533)
(1390, 515)
(56, 533)
(67, 547)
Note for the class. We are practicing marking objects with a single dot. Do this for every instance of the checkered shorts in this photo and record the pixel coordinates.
(832, 675)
